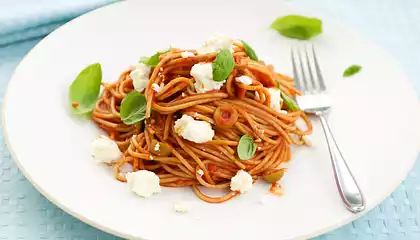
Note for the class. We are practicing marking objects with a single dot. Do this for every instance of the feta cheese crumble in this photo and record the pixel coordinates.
(187, 54)
(105, 150)
(216, 43)
(241, 182)
(140, 76)
(194, 130)
(157, 147)
(257, 96)
(143, 183)
(181, 207)
(245, 80)
(307, 140)
(200, 172)
(276, 99)
(203, 75)
(156, 87)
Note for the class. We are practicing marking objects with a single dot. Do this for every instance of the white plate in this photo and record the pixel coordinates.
(375, 120)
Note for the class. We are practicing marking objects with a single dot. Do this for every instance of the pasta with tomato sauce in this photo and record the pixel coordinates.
(207, 114)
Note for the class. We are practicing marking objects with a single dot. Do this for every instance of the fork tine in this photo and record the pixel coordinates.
(318, 71)
(311, 76)
(295, 72)
(305, 83)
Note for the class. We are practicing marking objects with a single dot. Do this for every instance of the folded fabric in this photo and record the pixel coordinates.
(25, 19)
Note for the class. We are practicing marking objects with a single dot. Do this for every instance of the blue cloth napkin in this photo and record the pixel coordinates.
(25, 19)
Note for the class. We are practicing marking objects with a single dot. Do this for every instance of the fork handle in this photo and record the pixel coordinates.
(347, 186)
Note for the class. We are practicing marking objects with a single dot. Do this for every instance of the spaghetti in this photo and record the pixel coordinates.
(212, 164)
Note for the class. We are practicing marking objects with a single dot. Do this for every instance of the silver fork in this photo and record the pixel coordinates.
(316, 101)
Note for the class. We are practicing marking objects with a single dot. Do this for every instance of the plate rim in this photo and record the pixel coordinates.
(117, 233)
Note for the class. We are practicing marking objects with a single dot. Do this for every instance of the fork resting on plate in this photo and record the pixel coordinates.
(309, 80)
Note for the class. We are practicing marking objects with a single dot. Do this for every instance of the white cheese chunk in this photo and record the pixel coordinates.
(187, 54)
(140, 76)
(244, 79)
(276, 100)
(156, 87)
(203, 75)
(216, 43)
(194, 130)
(105, 150)
(307, 140)
(181, 207)
(257, 96)
(143, 183)
(241, 182)
(157, 147)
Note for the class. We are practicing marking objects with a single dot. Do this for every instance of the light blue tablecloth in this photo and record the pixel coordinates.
(26, 19)
(26, 214)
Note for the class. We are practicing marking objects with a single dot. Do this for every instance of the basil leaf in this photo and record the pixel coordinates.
(289, 102)
(133, 108)
(249, 51)
(144, 59)
(299, 27)
(350, 71)
(153, 61)
(84, 91)
(246, 148)
(223, 65)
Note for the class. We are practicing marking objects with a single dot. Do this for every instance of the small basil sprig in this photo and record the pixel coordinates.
(133, 108)
(84, 91)
(246, 148)
(223, 65)
(289, 102)
(249, 51)
(299, 27)
(153, 61)
(350, 71)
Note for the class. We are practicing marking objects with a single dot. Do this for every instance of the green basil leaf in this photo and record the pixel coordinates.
(84, 91)
(133, 108)
(246, 148)
(289, 102)
(299, 27)
(249, 51)
(144, 59)
(153, 61)
(350, 71)
(223, 65)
